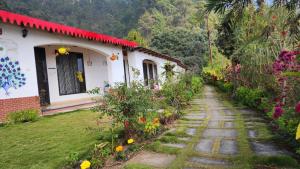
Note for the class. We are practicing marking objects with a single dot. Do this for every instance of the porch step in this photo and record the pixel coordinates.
(67, 108)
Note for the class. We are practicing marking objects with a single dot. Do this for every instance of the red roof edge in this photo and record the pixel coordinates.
(26, 21)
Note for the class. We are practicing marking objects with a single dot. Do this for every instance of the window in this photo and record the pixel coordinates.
(150, 73)
(70, 72)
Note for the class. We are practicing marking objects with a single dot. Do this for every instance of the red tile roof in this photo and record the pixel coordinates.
(159, 55)
(26, 21)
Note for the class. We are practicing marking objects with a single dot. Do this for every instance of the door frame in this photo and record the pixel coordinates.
(45, 72)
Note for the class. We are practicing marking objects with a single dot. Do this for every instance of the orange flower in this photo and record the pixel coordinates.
(142, 120)
(274, 17)
(119, 148)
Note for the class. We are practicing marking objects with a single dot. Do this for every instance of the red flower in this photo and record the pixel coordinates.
(126, 123)
(284, 33)
(297, 108)
(277, 100)
(274, 17)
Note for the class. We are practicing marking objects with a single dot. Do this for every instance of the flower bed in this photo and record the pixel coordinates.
(139, 114)
(281, 107)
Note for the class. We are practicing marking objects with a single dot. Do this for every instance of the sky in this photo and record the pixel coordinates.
(269, 1)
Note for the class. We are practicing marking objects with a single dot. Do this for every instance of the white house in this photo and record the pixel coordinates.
(34, 74)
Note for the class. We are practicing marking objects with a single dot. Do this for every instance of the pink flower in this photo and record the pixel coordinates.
(278, 112)
(297, 107)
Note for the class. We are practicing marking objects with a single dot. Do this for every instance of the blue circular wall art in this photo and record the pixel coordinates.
(10, 75)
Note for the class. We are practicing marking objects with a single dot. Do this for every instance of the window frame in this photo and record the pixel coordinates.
(147, 74)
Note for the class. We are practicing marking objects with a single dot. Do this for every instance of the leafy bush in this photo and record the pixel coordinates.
(23, 116)
(197, 83)
(179, 92)
(249, 97)
(126, 105)
(100, 153)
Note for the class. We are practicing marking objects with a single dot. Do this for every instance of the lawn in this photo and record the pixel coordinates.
(48, 142)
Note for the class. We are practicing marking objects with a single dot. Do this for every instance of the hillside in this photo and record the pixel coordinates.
(173, 27)
(113, 17)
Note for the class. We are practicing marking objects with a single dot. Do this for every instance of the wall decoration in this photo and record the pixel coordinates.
(10, 75)
(62, 51)
(114, 57)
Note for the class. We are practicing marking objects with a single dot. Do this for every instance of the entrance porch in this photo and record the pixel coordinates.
(64, 80)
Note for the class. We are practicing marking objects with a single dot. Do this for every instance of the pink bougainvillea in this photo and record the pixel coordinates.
(297, 108)
(278, 111)
(286, 61)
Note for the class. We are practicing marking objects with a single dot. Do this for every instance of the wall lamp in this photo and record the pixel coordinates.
(24, 32)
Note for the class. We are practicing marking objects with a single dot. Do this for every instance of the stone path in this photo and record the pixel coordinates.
(219, 135)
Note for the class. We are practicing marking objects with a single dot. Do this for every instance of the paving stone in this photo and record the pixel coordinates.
(267, 149)
(228, 124)
(231, 133)
(213, 124)
(252, 133)
(177, 145)
(195, 117)
(153, 159)
(229, 113)
(228, 147)
(205, 145)
(207, 161)
(191, 131)
(188, 124)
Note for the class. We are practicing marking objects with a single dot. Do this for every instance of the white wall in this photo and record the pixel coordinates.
(136, 59)
(22, 49)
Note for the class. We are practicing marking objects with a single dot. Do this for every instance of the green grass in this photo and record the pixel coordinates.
(159, 148)
(169, 139)
(46, 144)
(279, 161)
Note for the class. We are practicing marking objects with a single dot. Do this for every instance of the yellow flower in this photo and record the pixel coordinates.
(85, 164)
(119, 148)
(298, 132)
(156, 120)
(130, 141)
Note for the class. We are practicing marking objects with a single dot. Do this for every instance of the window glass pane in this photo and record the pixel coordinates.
(80, 74)
(151, 71)
(145, 74)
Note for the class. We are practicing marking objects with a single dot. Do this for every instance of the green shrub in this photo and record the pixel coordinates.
(249, 97)
(179, 92)
(197, 83)
(278, 161)
(126, 105)
(23, 116)
(228, 87)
